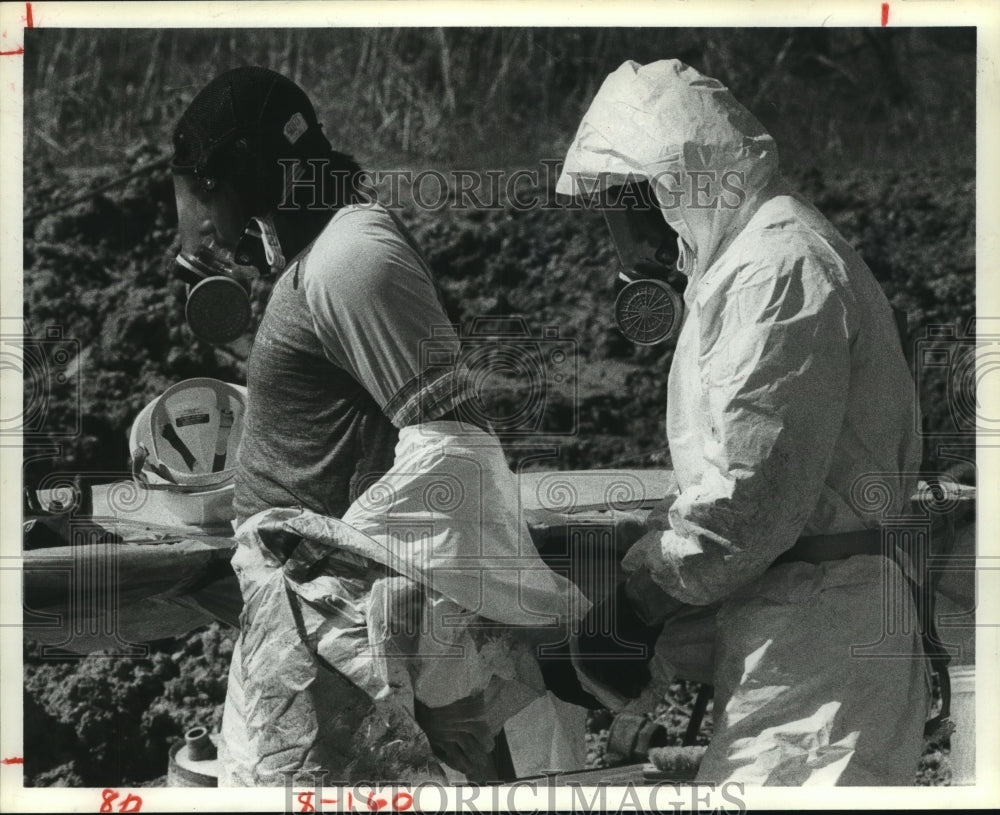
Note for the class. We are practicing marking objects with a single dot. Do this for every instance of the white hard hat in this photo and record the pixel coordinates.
(185, 443)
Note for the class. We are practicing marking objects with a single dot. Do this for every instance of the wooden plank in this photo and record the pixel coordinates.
(570, 491)
(127, 504)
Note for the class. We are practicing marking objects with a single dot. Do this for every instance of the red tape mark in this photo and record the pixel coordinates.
(30, 21)
(12, 760)
(885, 14)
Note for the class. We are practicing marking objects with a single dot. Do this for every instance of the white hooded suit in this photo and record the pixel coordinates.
(791, 412)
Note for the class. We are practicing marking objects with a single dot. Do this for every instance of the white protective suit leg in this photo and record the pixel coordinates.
(793, 705)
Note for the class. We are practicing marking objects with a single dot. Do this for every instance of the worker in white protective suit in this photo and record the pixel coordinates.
(791, 422)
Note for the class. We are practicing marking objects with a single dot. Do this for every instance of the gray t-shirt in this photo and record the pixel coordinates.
(354, 344)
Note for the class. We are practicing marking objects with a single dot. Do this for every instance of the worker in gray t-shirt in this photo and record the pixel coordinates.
(336, 367)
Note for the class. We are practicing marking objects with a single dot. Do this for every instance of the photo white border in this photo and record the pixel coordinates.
(985, 14)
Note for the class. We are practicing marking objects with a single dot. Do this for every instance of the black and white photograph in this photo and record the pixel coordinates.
(474, 407)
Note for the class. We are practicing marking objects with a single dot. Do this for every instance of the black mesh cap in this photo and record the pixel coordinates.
(240, 125)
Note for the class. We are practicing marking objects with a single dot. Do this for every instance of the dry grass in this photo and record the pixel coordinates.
(501, 96)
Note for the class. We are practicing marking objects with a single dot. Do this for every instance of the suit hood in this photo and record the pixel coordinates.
(706, 156)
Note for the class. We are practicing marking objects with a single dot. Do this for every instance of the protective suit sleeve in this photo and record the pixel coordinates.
(775, 370)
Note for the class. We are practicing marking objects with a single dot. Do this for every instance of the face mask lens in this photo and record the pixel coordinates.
(642, 238)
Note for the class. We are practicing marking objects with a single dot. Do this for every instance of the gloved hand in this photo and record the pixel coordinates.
(646, 553)
(459, 735)
(647, 598)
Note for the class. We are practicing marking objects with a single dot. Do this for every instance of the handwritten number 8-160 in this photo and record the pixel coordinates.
(401, 802)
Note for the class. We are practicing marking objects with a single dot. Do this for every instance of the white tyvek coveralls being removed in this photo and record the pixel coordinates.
(787, 386)
(428, 590)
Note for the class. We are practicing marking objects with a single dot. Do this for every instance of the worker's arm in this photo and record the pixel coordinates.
(376, 311)
(775, 371)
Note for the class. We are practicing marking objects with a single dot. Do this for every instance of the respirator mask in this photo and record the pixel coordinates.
(648, 310)
(219, 281)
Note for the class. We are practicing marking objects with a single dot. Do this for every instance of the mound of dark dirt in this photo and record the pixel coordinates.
(103, 721)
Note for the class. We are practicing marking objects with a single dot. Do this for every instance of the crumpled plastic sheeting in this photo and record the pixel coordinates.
(305, 693)
(795, 753)
(346, 624)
